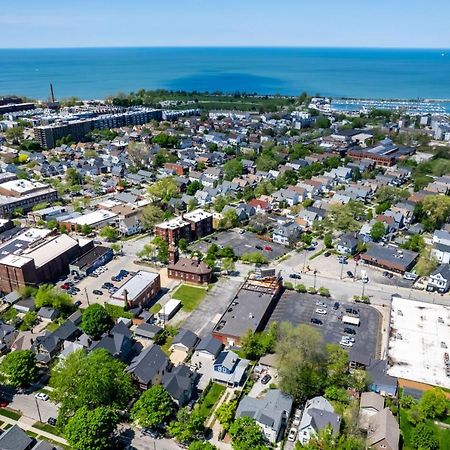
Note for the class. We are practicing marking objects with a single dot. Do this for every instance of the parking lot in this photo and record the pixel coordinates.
(299, 308)
(242, 243)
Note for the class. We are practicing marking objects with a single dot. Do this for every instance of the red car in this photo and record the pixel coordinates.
(3, 403)
(268, 248)
(65, 286)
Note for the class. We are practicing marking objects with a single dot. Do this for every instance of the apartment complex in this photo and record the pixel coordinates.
(190, 226)
(24, 194)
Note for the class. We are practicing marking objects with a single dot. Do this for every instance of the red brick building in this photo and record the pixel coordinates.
(187, 269)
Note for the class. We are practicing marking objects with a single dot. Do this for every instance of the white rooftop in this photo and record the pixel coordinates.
(93, 217)
(173, 223)
(135, 285)
(420, 335)
(23, 186)
(197, 215)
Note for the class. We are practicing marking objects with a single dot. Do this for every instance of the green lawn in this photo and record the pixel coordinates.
(11, 414)
(207, 402)
(166, 346)
(190, 296)
(48, 428)
(156, 308)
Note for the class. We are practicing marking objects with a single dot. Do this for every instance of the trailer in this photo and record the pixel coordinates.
(351, 320)
(169, 310)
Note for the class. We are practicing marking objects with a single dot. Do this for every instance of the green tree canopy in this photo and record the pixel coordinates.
(91, 429)
(109, 233)
(164, 189)
(153, 408)
(378, 231)
(247, 435)
(433, 403)
(225, 414)
(424, 438)
(202, 445)
(151, 216)
(187, 427)
(19, 368)
(96, 321)
(47, 295)
(92, 380)
(232, 169)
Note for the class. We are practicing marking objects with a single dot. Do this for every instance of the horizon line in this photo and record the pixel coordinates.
(338, 47)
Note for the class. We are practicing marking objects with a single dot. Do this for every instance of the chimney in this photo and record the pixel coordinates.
(174, 255)
(125, 298)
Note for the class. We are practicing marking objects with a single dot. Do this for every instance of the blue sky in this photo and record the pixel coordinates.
(329, 23)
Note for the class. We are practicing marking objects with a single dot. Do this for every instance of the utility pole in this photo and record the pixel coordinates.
(342, 269)
(38, 410)
(363, 287)
(315, 276)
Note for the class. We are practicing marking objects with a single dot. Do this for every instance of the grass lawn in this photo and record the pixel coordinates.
(165, 347)
(48, 428)
(11, 414)
(208, 401)
(156, 308)
(53, 326)
(190, 296)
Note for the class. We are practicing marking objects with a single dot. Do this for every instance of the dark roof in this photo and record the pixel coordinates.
(179, 382)
(392, 256)
(378, 372)
(147, 364)
(121, 328)
(67, 330)
(186, 338)
(90, 257)
(116, 344)
(210, 344)
(15, 439)
(147, 330)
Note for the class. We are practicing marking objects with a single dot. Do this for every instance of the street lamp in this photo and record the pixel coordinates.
(315, 276)
(38, 410)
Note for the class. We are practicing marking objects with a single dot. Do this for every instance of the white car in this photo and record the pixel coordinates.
(321, 311)
(321, 304)
(292, 434)
(297, 417)
(348, 339)
(42, 396)
(346, 343)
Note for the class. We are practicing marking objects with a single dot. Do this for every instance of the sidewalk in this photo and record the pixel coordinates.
(27, 424)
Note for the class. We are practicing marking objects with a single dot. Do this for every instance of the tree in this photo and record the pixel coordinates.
(91, 429)
(73, 177)
(91, 380)
(96, 321)
(193, 187)
(116, 247)
(433, 403)
(187, 427)
(151, 216)
(202, 445)
(29, 321)
(86, 229)
(423, 438)
(328, 240)
(228, 264)
(164, 189)
(254, 258)
(337, 365)
(225, 414)
(345, 217)
(163, 248)
(391, 194)
(416, 243)
(377, 231)
(138, 153)
(322, 122)
(19, 368)
(426, 263)
(436, 210)
(47, 295)
(230, 219)
(247, 435)
(109, 233)
(183, 244)
(301, 373)
(153, 408)
(232, 169)
(14, 134)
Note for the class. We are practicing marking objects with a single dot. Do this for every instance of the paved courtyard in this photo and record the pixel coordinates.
(299, 308)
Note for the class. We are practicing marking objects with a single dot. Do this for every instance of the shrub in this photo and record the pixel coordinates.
(300, 288)
(288, 285)
(324, 292)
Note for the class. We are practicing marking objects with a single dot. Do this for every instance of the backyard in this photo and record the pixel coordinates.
(210, 398)
(190, 296)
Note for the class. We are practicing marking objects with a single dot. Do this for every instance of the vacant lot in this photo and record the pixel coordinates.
(190, 296)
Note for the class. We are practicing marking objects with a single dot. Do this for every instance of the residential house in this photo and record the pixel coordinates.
(261, 206)
(207, 349)
(271, 412)
(229, 368)
(117, 342)
(347, 244)
(8, 335)
(439, 280)
(383, 432)
(286, 234)
(180, 384)
(441, 246)
(317, 415)
(183, 343)
(287, 196)
(370, 404)
(149, 367)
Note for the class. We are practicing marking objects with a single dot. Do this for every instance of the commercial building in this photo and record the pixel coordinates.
(390, 258)
(250, 309)
(139, 291)
(190, 226)
(14, 107)
(91, 260)
(95, 220)
(41, 262)
(24, 194)
(385, 154)
(191, 270)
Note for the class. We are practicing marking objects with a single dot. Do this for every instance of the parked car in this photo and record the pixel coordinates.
(336, 306)
(268, 248)
(345, 343)
(65, 286)
(297, 417)
(151, 433)
(316, 321)
(349, 274)
(292, 434)
(321, 304)
(321, 311)
(348, 339)
(3, 403)
(258, 247)
(51, 421)
(97, 292)
(349, 330)
(327, 254)
(265, 379)
(296, 276)
(42, 396)
(77, 304)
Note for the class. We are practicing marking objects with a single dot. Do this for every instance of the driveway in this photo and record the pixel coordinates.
(31, 407)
